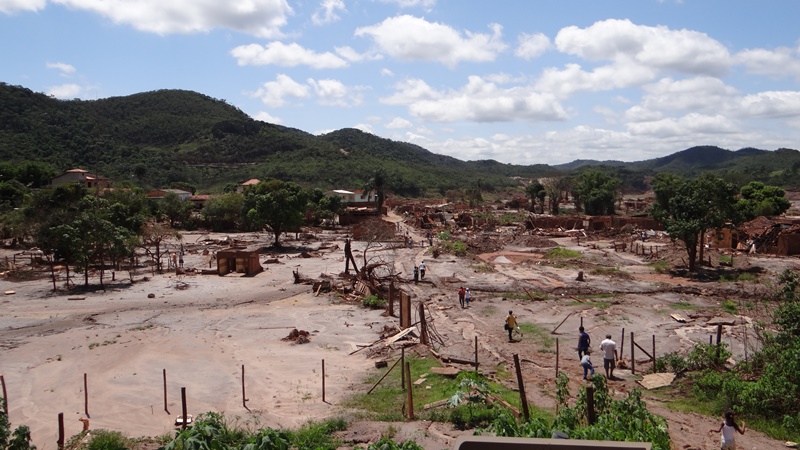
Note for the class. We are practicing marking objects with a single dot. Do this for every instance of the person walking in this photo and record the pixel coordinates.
(511, 323)
(584, 342)
(728, 428)
(609, 349)
(467, 297)
(416, 274)
(461, 293)
(422, 270)
(586, 363)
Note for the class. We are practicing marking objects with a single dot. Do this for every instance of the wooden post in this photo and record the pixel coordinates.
(476, 353)
(409, 394)
(5, 396)
(60, 441)
(710, 339)
(633, 358)
(581, 320)
(165, 391)
(556, 358)
(403, 368)
(719, 339)
(391, 299)
(423, 325)
(522, 398)
(654, 353)
(622, 345)
(244, 396)
(86, 395)
(590, 413)
(323, 381)
(387, 373)
(183, 408)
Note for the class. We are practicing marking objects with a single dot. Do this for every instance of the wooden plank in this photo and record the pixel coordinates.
(656, 380)
(10, 292)
(678, 318)
(76, 298)
(399, 336)
(436, 404)
(446, 371)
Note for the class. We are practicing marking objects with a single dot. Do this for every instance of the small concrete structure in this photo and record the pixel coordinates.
(82, 177)
(238, 260)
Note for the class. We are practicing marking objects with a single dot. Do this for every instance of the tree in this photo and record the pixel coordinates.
(536, 192)
(554, 187)
(224, 212)
(596, 191)
(687, 208)
(377, 184)
(176, 211)
(758, 199)
(474, 193)
(275, 204)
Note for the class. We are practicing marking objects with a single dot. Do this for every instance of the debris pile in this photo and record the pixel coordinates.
(297, 336)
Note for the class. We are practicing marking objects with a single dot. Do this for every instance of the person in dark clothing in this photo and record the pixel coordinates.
(584, 342)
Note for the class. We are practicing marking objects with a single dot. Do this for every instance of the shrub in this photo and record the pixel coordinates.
(373, 302)
(107, 440)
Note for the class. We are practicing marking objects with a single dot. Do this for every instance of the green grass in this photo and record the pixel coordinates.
(614, 272)
(534, 332)
(562, 253)
(599, 295)
(482, 268)
(502, 373)
(684, 306)
(537, 295)
(730, 307)
(725, 259)
(385, 403)
(660, 266)
(739, 277)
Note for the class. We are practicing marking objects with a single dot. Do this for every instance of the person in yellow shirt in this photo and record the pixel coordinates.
(511, 323)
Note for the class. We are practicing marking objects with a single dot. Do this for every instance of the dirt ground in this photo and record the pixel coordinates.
(203, 331)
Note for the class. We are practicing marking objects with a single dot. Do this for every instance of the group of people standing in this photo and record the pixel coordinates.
(607, 346)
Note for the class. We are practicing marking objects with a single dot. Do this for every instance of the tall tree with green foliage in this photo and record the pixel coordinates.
(758, 199)
(377, 184)
(687, 208)
(224, 212)
(175, 210)
(596, 191)
(275, 204)
(536, 192)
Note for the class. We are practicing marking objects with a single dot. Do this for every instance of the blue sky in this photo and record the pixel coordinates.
(517, 81)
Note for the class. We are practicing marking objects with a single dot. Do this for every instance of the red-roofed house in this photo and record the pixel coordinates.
(82, 177)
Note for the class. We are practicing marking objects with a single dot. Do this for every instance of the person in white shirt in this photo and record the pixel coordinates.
(609, 349)
(586, 363)
(728, 427)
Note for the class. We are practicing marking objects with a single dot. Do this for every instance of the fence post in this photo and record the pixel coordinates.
(409, 394)
(323, 381)
(556, 358)
(523, 399)
(654, 353)
(86, 395)
(165, 391)
(590, 413)
(633, 358)
(244, 396)
(476, 354)
(719, 340)
(183, 408)
(5, 396)
(60, 441)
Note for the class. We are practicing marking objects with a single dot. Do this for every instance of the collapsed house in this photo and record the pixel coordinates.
(238, 260)
(777, 236)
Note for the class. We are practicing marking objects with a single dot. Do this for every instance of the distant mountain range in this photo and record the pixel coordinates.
(155, 139)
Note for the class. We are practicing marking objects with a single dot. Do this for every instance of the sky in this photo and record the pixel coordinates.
(516, 81)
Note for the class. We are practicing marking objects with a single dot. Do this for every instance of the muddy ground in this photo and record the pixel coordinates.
(201, 330)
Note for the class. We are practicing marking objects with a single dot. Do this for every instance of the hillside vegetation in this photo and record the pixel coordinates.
(156, 139)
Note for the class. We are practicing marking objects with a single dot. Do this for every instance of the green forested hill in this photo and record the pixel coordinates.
(154, 139)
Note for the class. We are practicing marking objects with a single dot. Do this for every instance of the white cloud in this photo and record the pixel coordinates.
(65, 91)
(478, 101)
(386, 72)
(411, 38)
(13, 6)
(573, 78)
(267, 117)
(693, 124)
(351, 55)
(262, 18)
(335, 93)
(365, 127)
(426, 4)
(698, 94)
(532, 45)
(285, 55)
(399, 123)
(774, 104)
(273, 93)
(326, 13)
(778, 63)
(65, 69)
(683, 51)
